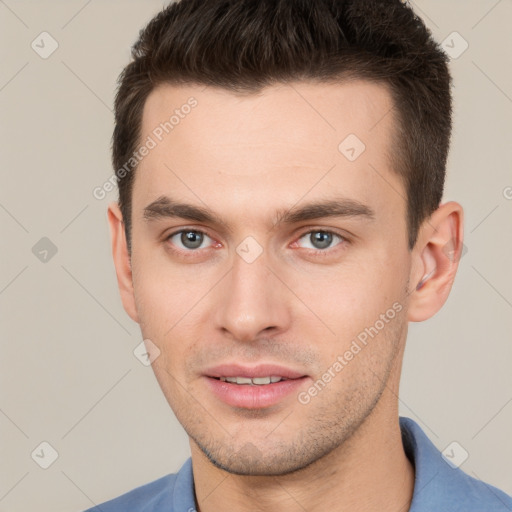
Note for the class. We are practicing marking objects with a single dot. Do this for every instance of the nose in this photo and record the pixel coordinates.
(251, 302)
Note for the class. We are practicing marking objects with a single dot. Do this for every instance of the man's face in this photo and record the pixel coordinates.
(256, 286)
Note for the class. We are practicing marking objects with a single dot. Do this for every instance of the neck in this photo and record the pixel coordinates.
(369, 472)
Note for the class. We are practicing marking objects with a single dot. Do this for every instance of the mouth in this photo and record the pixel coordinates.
(253, 387)
(254, 381)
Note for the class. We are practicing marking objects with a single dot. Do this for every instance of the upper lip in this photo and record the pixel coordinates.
(261, 370)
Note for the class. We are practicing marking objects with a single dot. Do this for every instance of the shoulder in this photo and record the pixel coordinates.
(143, 498)
(441, 485)
(461, 492)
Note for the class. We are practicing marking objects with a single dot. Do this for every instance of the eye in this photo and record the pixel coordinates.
(320, 239)
(190, 239)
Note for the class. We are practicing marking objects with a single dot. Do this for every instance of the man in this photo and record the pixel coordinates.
(280, 167)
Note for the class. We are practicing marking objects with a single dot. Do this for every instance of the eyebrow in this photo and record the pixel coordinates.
(165, 207)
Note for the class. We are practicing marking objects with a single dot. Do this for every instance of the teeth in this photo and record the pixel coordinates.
(261, 380)
(258, 381)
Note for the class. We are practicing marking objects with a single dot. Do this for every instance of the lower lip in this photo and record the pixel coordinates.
(254, 396)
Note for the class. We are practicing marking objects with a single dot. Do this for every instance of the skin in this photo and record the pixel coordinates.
(298, 305)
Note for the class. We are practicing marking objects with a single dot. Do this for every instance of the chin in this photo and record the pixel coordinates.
(249, 460)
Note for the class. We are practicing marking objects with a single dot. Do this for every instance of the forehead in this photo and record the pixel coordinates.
(281, 144)
(303, 113)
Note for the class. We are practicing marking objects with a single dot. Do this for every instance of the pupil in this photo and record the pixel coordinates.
(191, 239)
(321, 239)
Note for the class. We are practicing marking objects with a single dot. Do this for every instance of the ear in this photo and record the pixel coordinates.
(122, 260)
(435, 262)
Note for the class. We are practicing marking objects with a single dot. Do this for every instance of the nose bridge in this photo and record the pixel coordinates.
(251, 299)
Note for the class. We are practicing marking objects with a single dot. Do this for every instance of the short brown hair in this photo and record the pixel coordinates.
(245, 45)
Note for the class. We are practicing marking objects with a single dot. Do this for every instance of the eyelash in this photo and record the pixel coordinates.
(317, 252)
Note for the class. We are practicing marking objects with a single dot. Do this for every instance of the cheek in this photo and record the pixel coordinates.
(169, 300)
(164, 292)
(351, 298)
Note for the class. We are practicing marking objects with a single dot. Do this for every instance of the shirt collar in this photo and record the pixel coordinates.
(183, 499)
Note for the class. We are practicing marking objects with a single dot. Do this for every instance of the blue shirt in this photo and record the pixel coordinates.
(438, 486)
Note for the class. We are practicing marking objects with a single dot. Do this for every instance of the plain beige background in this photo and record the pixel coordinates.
(68, 375)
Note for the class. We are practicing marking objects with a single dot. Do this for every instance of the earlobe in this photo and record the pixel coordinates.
(437, 254)
(122, 260)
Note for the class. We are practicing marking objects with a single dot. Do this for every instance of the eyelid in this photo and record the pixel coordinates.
(176, 231)
(323, 229)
